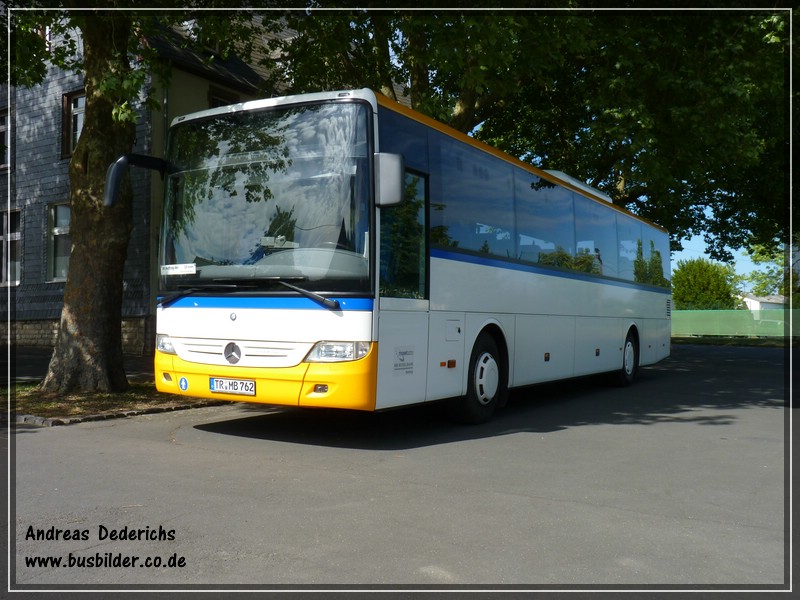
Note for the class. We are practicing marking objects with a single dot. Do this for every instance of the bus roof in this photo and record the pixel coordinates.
(363, 94)
(579, 184)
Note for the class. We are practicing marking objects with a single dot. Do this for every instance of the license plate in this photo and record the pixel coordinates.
(244, 387)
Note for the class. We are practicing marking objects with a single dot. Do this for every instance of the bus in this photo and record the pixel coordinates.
(341, 250)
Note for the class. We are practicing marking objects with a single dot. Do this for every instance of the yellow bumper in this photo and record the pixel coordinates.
(330, 385)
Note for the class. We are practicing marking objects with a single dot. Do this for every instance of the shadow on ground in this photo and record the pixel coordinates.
(698, 385)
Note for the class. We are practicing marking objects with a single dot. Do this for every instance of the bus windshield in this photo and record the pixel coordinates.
(269, 196)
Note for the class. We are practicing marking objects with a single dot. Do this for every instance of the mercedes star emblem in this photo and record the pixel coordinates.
(232, 353)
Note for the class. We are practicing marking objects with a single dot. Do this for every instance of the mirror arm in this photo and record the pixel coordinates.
(116, 171)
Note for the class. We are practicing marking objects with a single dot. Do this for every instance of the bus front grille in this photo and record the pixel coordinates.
(252, 353)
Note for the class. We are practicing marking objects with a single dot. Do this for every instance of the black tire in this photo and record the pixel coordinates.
(630, 361)
(487, 383)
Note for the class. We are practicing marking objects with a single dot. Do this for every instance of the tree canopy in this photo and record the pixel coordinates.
(700, 284)
(774, 275)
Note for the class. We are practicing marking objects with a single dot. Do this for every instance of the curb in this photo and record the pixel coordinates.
(55, 421)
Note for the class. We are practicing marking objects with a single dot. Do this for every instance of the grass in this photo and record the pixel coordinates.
(27, 400)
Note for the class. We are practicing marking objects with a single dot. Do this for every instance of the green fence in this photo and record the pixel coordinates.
(750, 323)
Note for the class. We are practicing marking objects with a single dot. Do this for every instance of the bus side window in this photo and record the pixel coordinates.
(545, 225)
(472, 199)
(629, 240)
(403, 245)
(596, 230)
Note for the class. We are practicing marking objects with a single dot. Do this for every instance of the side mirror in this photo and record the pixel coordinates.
(116, 171)
(389, 179)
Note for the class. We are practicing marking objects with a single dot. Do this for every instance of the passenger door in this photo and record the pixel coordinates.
(404, 304)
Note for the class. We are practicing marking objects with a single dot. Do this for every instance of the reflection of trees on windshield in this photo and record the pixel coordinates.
(281, 228)
(223, 156)
(262, 189)
(282, 224)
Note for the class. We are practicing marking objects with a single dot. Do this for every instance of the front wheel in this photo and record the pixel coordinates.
(487, 385)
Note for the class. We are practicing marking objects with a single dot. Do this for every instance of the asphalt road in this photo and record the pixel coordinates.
(677, 480)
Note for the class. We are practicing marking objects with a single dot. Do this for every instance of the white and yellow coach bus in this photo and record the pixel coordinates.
(340, 250)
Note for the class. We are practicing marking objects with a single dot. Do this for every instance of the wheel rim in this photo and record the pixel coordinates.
(629, 360)
(487, 378)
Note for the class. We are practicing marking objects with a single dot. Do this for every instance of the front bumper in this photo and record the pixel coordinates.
(350, 384)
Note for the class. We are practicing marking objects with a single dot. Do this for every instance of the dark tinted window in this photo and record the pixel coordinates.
(656, 255)
(629, 247)
(403, 257)
(544, 221)
(401, 135)
(472, 199)
(596, 232)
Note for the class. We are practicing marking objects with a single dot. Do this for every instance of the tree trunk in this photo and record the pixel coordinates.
(88, 352)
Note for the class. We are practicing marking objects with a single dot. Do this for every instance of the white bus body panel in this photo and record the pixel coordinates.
(544, 349)
(448, 358)
(555, 325)
(402, 352)
(268, 337)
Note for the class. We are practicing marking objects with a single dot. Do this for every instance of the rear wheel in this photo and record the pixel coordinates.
(630, 361)
(486, 387)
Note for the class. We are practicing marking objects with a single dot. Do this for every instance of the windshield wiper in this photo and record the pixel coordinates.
(254, 283)
(329, 302)
(167, 300)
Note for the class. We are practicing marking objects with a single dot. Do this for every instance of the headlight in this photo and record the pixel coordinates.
(164, 344)
(338, 351)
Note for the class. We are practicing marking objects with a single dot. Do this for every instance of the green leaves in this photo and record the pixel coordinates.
(700, 284)
(37, 39)
(774, 275)
(124, 113)
(454, 66)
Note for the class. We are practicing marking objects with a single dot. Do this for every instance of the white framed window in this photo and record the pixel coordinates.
(5, 132)
(12, 243)
(73, 111)
(58, 242)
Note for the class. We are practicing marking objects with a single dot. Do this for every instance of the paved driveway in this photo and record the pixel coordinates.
(677, 480)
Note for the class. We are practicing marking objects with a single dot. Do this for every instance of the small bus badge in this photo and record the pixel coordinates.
(232, 353)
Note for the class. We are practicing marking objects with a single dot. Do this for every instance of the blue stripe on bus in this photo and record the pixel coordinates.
(274, 302)
(499, 263)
